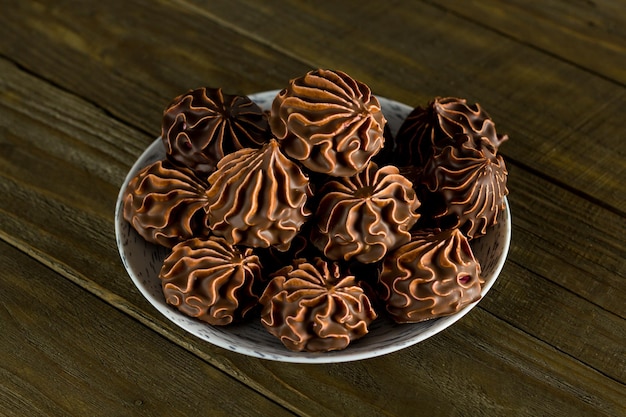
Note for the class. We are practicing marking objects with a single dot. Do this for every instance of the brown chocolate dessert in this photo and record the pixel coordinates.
(257, 198)
(202, 125)
(210, 280)
(365, 216)
(319, 177)
(329, 122)
(468, 184)
(427, 131)
(312, 307)
(432, 276)
(164, 204)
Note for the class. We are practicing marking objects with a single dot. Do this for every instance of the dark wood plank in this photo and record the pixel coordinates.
(482, 348)
(130, 58)
(591, 34)
(568, 240)
(66, 353)
(481, 366)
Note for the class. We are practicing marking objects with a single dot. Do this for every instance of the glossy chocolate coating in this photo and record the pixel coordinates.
(426, 131)
(364, 216)
(313, 307)
(202, 125)
(164, 203)
(432, 276)
(469, 183)
(257, 198)
(210, 280)
(329, 122)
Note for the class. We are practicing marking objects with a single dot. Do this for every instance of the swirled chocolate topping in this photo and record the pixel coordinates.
(432, 276)
(313, 307)
(329, 122)
(257, 198)
(202, 125)
(164, 204)
(427, 131)
(471, 184)
(364, 216)
(211, 280)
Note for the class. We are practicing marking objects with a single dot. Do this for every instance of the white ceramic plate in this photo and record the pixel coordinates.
(143, 263)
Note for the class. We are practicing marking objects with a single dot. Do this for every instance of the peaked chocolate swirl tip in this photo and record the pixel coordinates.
(257, 198)
(433, 275)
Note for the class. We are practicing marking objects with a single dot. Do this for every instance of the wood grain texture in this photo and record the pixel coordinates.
(590, 34)
(564, 280)
(131, 58)
(68, 354)
(434, 371)
(568, 240)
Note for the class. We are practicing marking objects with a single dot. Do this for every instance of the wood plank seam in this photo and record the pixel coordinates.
(41, 361)
(579, 193)
(486, 309)
(525, 43)
(221, 22)
(89, 101)
(565, 289)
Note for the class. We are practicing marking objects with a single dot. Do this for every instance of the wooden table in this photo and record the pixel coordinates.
(82, 89)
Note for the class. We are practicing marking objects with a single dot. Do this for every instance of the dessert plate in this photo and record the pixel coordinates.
(143, 262)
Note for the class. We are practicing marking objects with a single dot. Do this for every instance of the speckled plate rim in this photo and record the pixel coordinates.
(250, 338)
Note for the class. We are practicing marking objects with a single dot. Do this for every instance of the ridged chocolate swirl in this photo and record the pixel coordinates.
(210, 280)
(257, 198)
(432, 276)
(202, 125)
(364, 216)
(426, 131)
(313, 307)
(329, 122)
(164, 203)
(470, 183)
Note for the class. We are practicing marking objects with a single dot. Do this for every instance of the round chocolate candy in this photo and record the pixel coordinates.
(363, 217)
(202, 125)
(433, 275)
(313, 307)
(257, 198)
(211, 280)
(329, 122)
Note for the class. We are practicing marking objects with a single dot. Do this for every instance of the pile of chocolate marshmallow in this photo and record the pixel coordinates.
(312, 217)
